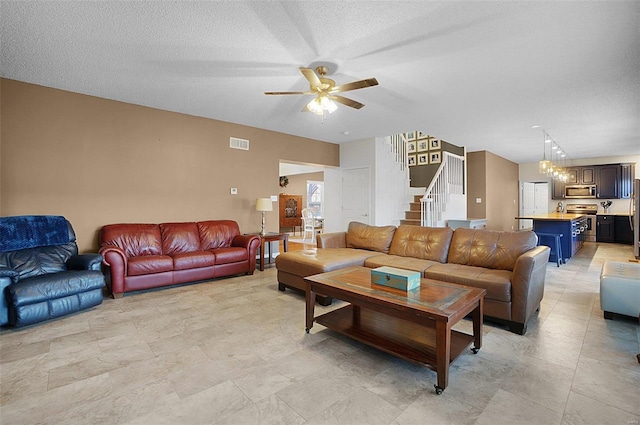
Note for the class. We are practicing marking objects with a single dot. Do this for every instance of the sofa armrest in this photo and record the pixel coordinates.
(85, 262)
(251, 243)
(9, 273)
(8, 276)
(115, 258)
(527, 282)
(332, 240)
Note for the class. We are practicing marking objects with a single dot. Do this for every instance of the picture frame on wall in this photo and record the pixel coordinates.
(435, 157)
(423, 159)
(410, 136)
(411, 160)
(411, 147)
(434, 144)
(421, 135)
(423, 145)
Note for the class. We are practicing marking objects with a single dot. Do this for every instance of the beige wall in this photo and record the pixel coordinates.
(494, 180)
(97, 161)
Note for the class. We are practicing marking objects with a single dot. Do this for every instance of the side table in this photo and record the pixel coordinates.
(266, 240)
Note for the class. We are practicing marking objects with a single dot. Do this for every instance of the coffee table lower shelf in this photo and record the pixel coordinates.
(407, 340)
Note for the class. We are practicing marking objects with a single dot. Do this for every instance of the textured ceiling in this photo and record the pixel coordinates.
(477, 74)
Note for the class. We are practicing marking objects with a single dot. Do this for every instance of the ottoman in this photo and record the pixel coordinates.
(620, 289)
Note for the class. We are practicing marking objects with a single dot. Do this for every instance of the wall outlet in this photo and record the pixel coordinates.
(234, 190)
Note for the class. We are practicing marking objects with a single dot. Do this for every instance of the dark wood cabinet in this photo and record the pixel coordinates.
(290, 210)
(622, 230)
(608, 181)
(605, 226)
(581, 175)
(558, 190)
(627, 172)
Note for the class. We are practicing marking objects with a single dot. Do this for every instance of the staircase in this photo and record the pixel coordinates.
(444, 197)
(413, 216)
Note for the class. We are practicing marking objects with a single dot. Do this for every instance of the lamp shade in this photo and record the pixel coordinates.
(264, 204)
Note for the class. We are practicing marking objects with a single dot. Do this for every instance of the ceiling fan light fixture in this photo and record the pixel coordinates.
(321, 104)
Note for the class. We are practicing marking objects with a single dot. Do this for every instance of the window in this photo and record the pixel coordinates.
(315, 197)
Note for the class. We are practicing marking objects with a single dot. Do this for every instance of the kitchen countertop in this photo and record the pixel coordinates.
(551, 217)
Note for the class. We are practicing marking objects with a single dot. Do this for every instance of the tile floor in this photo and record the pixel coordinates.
(234, 351)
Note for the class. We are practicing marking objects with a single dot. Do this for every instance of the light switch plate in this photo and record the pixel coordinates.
(274, 198)
(478, 200)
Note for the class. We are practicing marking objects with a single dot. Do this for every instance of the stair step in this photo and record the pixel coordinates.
(417, 198)
(411, 222)
(413, 215)
(414, 206)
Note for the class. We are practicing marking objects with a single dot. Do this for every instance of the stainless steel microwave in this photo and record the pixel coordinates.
(581, 191)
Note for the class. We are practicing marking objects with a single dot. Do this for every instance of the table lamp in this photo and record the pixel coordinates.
(263, 205)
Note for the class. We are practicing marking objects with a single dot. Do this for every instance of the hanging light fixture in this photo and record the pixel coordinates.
(544, 166)
(553, 167)
(321, 104)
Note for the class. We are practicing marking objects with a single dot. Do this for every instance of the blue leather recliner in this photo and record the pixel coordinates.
(41, 274)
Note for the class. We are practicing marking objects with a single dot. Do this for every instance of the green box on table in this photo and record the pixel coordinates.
(395, 278)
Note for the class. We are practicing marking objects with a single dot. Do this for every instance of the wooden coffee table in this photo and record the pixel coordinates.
(413, 325)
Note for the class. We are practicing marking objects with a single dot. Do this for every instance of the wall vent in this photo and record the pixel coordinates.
(236, 143)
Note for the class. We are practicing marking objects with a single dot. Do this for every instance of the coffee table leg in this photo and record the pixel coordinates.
(356, 314)
(443, 353)
(477, 326)
(311, 304)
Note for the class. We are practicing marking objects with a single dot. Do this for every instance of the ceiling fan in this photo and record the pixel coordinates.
(325, 90)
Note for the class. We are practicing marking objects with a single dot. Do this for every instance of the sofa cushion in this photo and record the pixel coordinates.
(193, 260)
(406, 263)
(230, 255)
(179, 237)
(428, 243)
(49, 287)
(133, 239)
(489, 248)
(37, 261)
(373, 238)
(496, 282)
(310, 262)
(148, 264)
(217, 233)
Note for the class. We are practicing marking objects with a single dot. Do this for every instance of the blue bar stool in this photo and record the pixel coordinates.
(558, 246)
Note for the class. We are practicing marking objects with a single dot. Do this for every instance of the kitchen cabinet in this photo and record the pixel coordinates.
(627, 172)
(558, 190)
(608, 181)
(605, 228)
(622, 230)
(581, 175)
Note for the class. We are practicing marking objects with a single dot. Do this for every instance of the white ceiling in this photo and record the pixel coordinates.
(476, 74)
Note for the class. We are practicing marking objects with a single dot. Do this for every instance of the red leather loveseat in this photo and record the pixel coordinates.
(143, 256)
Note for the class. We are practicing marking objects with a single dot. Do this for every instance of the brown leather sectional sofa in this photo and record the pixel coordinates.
(508, 265)
(144, 256)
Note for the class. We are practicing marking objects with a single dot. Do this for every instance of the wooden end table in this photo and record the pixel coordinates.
(412, 325)
(266, 240)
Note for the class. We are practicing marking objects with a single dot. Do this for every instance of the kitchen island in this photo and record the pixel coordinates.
(571, 226)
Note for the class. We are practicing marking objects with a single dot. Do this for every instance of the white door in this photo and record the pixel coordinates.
(527, 203)
(356, 187)
(542, 198)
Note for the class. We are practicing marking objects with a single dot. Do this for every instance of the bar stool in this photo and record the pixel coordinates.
(558, 246)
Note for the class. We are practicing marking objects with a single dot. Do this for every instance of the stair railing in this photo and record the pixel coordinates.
(448, 180)
(399, 148)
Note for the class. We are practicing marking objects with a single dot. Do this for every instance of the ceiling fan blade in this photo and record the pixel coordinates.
(311, 76)
(345, 101)
(356, 85)
(287, 92)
